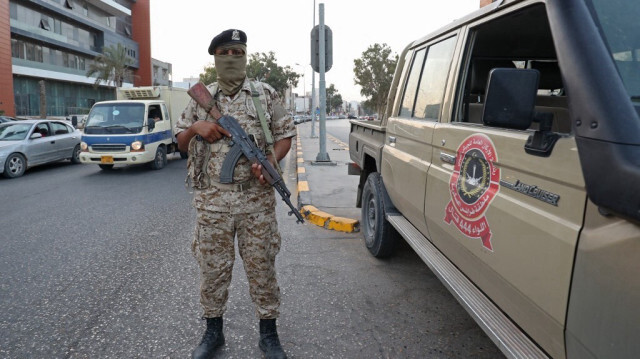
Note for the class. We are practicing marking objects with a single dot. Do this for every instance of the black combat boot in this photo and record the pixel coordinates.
(269, 341)
(212, 339)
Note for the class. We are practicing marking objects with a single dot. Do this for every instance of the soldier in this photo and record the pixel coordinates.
(246, 207)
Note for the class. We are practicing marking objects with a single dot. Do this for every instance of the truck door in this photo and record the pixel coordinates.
(510, 219)
(407, 152)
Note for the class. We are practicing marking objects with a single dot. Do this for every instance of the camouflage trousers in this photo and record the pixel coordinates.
(214, 249)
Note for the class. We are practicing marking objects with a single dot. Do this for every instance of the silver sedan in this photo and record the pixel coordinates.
(28, 143)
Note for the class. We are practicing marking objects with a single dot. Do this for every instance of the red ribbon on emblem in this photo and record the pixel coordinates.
(474, 229)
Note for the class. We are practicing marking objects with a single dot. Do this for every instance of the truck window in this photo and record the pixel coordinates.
(115, 118)
(411, 86)
(434, 80)
(154, 113)
(521, 39)
(619, 25)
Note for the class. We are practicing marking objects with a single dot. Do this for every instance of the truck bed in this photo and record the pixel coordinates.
(366, 140)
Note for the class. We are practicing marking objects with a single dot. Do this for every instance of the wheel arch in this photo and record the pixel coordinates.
(370, 166)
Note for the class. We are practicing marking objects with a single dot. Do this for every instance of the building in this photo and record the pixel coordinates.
(53, 42)
(161, 73)
(186, 82)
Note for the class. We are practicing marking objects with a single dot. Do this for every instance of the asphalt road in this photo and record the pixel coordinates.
(97, 264)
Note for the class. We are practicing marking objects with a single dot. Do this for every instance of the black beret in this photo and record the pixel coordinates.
(231, 36)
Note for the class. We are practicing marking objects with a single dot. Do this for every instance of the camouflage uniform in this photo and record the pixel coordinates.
(224, 211)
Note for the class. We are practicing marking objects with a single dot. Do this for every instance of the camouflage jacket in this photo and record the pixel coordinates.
(217, 198)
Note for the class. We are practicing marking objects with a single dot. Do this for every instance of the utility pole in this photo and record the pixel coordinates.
(313, 86)
(323, 156)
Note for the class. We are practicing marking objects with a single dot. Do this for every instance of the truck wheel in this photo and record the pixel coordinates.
(75, 158)
(14, 166)
(379, 235)
(160, 160)
(106, 167)
(184, 155)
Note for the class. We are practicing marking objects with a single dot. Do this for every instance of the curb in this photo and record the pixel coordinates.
(311, 213)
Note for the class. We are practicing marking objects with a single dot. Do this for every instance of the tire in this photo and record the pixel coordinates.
(380, 237)
(106, 167)
(184, 155)
(75, 158)
(14, 166)
(160, 160)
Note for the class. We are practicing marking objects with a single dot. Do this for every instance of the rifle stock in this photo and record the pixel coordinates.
(200, 94)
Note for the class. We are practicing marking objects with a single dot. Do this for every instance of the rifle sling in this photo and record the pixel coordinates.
(255, 95)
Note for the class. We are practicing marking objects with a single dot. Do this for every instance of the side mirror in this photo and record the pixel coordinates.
(151, 124)
(510, 98)
(74, 121)
(35, 135)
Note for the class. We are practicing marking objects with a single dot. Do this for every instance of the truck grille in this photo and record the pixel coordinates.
(109, 148)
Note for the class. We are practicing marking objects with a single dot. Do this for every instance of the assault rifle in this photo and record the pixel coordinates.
(242, 144)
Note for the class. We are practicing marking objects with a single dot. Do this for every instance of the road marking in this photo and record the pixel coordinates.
(311, 213)
(303, 186)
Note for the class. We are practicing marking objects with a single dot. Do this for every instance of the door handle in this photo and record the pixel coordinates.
(448, 158)
(392, 141)
(52, 142)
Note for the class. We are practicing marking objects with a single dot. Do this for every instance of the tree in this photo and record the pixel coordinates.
(210, 75)
(261, 67)
(334, 99)
(112, 66)
(374, 73)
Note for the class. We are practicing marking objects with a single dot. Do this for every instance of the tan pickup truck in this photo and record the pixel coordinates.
(509, 159)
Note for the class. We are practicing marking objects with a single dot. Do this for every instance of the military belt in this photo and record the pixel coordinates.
(235, 187)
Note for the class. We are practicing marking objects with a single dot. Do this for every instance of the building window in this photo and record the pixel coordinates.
(68, 4)
(127, 30)
(30, 52)
(44, 24)
(17, 49)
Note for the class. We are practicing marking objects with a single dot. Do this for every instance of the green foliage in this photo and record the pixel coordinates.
(112, 66)
(264, 67)
(334, 99)
(210, 75)
(374, 73)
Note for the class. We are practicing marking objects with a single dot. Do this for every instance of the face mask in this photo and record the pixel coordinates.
(232, 70)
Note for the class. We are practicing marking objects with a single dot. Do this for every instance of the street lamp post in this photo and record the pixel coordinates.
(304, 88)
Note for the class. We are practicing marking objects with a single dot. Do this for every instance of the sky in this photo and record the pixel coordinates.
(181, 31)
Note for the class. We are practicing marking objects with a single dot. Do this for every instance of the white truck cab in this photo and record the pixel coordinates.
(136, 128)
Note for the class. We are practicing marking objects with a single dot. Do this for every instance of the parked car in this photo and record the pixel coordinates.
(28, 143)
(4, 119)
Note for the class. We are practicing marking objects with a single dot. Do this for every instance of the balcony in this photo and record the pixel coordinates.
(110, 7)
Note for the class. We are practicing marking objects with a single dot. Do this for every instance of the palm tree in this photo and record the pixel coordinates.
(112, 66)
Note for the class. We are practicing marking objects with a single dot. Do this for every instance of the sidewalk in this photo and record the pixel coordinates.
(326, 193)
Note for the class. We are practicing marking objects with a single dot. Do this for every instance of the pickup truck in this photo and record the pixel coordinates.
(508, 157)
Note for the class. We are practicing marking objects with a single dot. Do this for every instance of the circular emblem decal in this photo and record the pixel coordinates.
(474, 183)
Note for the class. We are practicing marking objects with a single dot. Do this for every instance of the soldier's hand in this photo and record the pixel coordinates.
(210, 131)
(256, 169)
